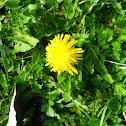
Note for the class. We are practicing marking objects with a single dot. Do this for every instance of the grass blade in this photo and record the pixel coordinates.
(111, 80)
(107, 116)
(103, 117)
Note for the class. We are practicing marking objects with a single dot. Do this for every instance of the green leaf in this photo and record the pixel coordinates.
(120, 89)
(56, 92)
(60, 78)
(116, 120)
(2, 17)
(50, 123)
(2, 2)
(21, 47)
(26, 70)
(121, 24)
(36, 87)
(90, 67)
(35, 59)
(60, 101)
(24, 42)
(30, 9)
(122, 37)
(12, 4)
(108, 78)
(67, 2)
(94, 122)
(124, 108)
(44, 107)
(50, 112)
(117, 6)
(116, 55)
(66, 96)
(124, 100)
(3, 83)
(3, 118)
(80, 38)
(51, 103)
(69, 84)
(70, 11)
(20, 80)
(76, 104)
(3, 54)
(116, 45)
(73, 104)
(109, 34)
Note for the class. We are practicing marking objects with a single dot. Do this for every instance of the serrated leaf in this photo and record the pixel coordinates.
(27, 70)
(36, 87)
(120, 89)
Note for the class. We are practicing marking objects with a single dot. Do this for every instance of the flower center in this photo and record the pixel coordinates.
(61, 54)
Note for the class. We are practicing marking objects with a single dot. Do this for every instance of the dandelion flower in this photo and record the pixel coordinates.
(61, 55)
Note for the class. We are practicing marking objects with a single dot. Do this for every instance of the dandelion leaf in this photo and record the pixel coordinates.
(24, 42)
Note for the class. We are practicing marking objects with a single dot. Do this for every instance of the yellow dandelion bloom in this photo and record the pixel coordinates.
(61, 55)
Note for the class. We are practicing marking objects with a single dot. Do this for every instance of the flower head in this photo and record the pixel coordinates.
(61, 55)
